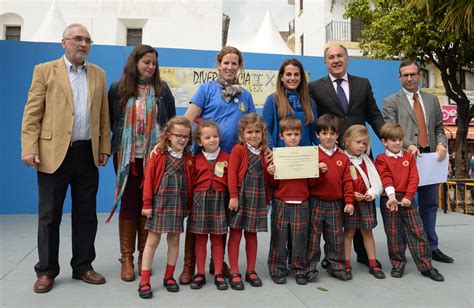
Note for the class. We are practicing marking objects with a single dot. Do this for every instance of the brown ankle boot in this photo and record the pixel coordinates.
(142, 235)
(186, 276)
(127, 234)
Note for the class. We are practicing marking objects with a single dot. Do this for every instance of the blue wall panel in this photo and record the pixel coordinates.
(18, 187)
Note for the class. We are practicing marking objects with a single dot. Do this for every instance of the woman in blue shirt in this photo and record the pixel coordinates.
(291, 97)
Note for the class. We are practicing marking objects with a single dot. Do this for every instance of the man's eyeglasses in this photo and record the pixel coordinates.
(80, 39)
(412, 75)
(180, 137)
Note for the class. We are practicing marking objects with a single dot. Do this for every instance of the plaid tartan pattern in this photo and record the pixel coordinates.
(252, 213)
(364, 216)
(286, 218)
(406, 221)
(209, 212)
(326, 217)
(169, 202)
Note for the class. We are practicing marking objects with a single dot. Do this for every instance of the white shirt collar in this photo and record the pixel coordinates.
(410, 94)
(254, 150)
(329, 152)
(395, 155)
(71, 67)
(354, 159)
(211, 156)
(174, 153)
(345, 77)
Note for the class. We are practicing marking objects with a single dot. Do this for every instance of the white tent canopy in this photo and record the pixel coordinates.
(51, 29)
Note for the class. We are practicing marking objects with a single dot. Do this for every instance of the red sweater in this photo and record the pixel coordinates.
(238, 164)
(290, 190)
(336, 183)
(401, 173)
(204, 177)
(154, 172)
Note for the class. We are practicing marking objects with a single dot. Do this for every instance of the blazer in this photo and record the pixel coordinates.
(396, 108)
(48, 116)
(362, 105)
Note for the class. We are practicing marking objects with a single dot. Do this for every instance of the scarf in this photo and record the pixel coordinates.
(126, 153)
(231, 88)
(294, 101)
(373, 182)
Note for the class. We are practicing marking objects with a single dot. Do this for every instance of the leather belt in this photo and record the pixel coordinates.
(79, 143)
(424, 150)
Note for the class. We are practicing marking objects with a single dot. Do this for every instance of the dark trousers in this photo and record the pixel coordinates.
(78, 171)
(428, 204)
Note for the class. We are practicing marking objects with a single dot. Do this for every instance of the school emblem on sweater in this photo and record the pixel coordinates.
(219, 169)
(406, 163)
(339, 163)
(242, 107)
(353, 172)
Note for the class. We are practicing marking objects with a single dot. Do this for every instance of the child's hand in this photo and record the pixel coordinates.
(406, 202)
(358, 196)
(349, 209)
(323, 167)
(368, 197)
(392, 203)
(271, 169)
(147, 213)
(234, 204)
(269, 156)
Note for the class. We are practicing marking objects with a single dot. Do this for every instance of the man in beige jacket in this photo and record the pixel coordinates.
(65, 135)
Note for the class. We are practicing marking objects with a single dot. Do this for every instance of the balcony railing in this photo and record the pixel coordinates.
(344, 31)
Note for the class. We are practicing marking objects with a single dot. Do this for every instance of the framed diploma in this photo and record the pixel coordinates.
(296, 162)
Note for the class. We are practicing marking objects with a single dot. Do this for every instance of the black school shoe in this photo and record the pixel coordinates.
(171, 287)
(376, 272)
(236, 285)
(433, 274)
(197, 284)
(366, 262)
(145, 293)
(439, 256)
(301, 279)
(349, 273)
(279, 279)
(339, 274)
(254, 282)
(397, 272)
(220, 284)
(311, 275)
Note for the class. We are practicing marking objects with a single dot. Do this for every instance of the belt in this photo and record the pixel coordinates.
(424, 150)
(79, 143)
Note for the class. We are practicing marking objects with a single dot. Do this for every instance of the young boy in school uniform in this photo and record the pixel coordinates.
(399, 174)
(331, 195)
(289, 214)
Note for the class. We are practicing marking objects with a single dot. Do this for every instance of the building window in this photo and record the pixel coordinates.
(12, 33)
(356, 29)
(134, 37)
(302, 44)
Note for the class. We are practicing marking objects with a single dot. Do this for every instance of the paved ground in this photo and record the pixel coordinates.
(18, 255)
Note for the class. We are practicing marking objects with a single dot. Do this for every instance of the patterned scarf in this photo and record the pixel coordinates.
(231, 88)
(126, 154)
(294, 101)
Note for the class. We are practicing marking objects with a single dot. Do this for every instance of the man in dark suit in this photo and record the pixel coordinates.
(402, 107)
(351, 99)
(65, 135)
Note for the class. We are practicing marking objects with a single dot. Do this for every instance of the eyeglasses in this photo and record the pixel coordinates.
(79, 39)
(412, 75)
(180, 137)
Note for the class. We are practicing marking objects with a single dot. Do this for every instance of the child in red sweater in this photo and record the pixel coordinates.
(210, 199)
(401, 218)
(290, 214)
(367, 187)
(331, 195)
(167, 191)
(249, 196)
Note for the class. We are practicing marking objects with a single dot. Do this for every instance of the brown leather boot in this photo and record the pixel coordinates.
(127, 234)
(142, 235)
(186, 276)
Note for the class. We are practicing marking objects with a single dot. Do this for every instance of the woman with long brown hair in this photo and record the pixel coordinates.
(140, 105)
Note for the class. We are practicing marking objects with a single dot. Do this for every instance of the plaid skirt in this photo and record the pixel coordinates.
(169, 202)
(364, 216)
(209, 212)
(252, 213)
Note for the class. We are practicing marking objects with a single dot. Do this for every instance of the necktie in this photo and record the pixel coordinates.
(420, 121)
(342, 95)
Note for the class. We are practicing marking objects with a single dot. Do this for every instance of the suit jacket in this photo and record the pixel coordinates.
(396, 108)
(49, 114)
(362, 105)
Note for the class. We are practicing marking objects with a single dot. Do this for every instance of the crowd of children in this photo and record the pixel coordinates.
(223, 193)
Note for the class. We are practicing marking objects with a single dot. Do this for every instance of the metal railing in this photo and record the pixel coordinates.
(456, 196)
(344, 31)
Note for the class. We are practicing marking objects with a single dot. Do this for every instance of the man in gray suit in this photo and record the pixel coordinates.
(420, 116)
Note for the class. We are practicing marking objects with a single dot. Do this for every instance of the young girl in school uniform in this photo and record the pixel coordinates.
(249, 197)
(210, 199)
(367, 187)
(167, 188)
